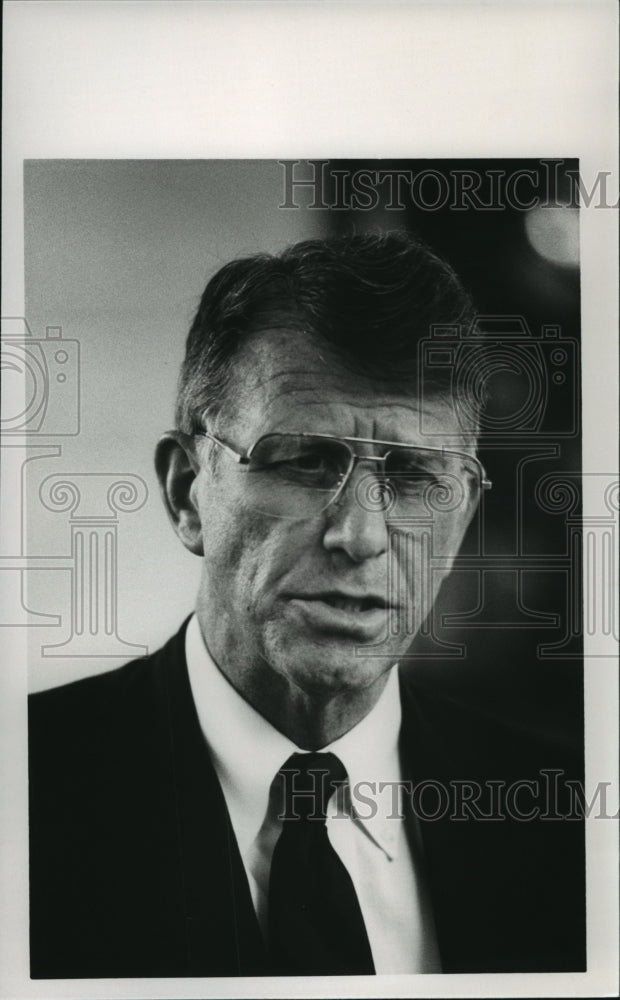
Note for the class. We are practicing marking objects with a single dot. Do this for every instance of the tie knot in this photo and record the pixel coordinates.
(308, 780)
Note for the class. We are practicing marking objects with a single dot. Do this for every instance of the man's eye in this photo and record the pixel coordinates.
(309, 465)
(413, 482)
(413, 474)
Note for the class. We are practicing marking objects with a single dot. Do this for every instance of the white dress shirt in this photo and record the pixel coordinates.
(247, 753)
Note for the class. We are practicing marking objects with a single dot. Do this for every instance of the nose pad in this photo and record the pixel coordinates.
(375, 493)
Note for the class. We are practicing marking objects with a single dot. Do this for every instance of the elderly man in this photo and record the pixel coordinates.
(250, 799)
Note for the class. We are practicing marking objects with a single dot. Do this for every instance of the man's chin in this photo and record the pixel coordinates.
(330, 666)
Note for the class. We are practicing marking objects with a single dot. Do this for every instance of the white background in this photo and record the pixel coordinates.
(285, 80)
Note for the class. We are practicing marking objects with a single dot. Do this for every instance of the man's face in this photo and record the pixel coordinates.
(328, 602)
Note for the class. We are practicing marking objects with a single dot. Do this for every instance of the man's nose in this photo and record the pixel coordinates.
(356, 522)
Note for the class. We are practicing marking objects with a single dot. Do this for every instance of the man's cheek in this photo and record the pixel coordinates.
(256, 557)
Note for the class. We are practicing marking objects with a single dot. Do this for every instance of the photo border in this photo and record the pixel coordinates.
(258, 79)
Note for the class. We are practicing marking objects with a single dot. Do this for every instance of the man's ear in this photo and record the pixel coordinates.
(177, 466)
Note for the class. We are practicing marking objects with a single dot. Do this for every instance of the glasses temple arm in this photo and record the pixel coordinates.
(238, 456)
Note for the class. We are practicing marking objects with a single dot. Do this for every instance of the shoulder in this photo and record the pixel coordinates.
(92, 693)
(71, 724)
(468, 731)
(124, 681)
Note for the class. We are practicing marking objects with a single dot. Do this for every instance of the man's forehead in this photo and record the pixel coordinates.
(279, 361)
(284, 350)
(289, 380)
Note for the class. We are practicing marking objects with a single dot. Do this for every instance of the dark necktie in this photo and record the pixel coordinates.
(315, 922)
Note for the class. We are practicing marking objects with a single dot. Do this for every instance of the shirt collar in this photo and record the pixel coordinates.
(370, 754)
(247, 751)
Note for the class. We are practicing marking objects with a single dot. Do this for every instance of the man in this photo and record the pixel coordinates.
(249, 800)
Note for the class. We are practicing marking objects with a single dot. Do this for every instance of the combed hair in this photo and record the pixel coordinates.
(370, 298)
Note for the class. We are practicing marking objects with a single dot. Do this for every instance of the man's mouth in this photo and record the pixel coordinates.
(353, 604)
(340, 601)
(360, 617)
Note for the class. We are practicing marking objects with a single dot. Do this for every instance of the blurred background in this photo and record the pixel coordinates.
(117, 255)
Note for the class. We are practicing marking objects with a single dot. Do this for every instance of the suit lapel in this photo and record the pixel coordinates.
(464, 860)
(222, 932)
(424, 758)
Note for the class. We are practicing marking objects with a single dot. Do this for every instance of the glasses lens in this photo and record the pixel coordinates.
(295, 475)
(437, 481)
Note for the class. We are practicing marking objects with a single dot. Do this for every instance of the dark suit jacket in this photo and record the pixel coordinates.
(135, 869)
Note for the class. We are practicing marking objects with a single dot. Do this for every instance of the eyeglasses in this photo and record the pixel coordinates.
(299, 475)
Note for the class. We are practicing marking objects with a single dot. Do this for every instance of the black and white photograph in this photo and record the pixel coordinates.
(309, 551)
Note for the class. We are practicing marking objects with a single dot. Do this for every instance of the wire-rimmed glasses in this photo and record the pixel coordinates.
(298, 475)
